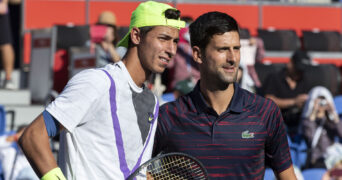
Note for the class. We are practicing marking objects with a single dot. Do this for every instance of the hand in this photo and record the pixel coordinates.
(300, 100)
(3, 8)
(333, 116)
(12, 138)
(105, 45)
(109, 47)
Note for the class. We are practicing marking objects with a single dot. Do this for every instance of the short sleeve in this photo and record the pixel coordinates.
(78, 97)
(277, 148)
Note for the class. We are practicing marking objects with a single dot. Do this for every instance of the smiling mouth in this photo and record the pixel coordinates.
(229, 69)
(164, 60)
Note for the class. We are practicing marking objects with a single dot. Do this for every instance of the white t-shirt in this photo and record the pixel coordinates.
(110, 124)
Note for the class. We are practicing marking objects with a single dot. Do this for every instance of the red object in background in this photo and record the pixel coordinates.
(84, 63)
(97, 33)
(43, 14)
(246, 15)
(60, 70)
(301, 17)
(27, 49)
(42, 43)
(336, 173)
(272, 60)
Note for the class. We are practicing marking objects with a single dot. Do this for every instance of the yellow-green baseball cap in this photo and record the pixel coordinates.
(150, 13)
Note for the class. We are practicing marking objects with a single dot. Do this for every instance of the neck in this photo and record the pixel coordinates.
(219, 99)
(134, 67)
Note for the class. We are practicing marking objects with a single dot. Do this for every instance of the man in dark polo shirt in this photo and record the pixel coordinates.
(233, 132)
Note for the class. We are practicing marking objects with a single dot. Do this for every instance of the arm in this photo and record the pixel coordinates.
(287, 174)
(35, 145)
(277, 149)
(288, 102)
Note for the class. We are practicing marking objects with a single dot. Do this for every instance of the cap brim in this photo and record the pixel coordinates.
(124, 41)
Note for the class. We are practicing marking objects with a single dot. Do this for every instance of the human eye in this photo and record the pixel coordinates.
(223, 49)
(162, 38)
(176, 41)
(237, 48)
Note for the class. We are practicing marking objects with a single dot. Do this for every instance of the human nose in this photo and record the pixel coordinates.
(171, 49)
(232, 55)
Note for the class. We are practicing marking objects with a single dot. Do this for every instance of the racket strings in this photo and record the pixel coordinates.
(176, 167)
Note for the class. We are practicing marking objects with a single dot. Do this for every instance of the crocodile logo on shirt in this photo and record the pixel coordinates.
(247, 135)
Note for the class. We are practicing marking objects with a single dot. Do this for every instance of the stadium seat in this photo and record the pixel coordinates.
(298, 150)
(279, 40)
(122, 31)
(69, 36)
(244, 33)
(264, 70)
(2, 120)
(269, 174)
(313, 174)
(168, 97)
(338, 104)
(322, 41)
(327, 75)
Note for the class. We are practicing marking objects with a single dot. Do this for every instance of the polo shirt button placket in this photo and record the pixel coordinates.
(214, 125)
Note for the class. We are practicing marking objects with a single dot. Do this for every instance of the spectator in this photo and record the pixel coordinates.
(104, 49)
(6, 48)
(320, 125)
(183, 66)
(183, 87)
(333, 162)
(13, 162)
(288, 89)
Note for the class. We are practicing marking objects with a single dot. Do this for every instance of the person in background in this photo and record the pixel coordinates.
(232, 131)
(183, 66)
(288, 89)
(320, 125)
(183, 87)
(107, 117)
(6, 48)
(105, 47)
(13, 162)
(334, 174)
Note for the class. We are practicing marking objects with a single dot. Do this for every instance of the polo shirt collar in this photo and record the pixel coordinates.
(236, 104)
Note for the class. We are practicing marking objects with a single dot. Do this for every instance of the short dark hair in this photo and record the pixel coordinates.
(209, 24)
(169, 14)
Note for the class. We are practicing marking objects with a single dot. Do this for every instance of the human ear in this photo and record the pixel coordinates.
(135, 36)
(197, 55)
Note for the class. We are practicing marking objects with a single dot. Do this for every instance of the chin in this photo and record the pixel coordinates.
(158, 70)
(228, 80)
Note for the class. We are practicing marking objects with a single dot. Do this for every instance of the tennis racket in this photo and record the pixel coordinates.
(171, 166)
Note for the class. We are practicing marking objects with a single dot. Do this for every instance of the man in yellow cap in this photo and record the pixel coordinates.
(107, 117)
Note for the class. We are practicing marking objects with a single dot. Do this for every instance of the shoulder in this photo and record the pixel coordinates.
(250, 98)
(167, 106)
(257, 103)
(91, 76)
(98, 79)
(180, 105)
